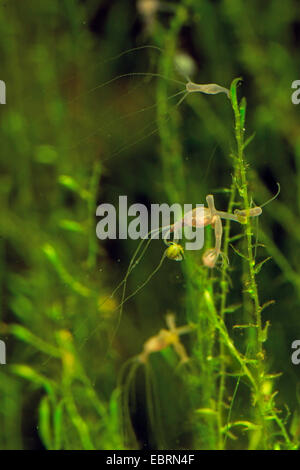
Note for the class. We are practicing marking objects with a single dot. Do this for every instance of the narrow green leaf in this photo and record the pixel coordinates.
(45, 422)
(263, 336)
(250, 325)
(29, 373)
(243, 107)
(71, 225)
(233, 94)
(232, 308)
(73, 185)
(267, 304)
(260, 265)
(239, 253)
(57, 425)
(249, 140)
(247, 425)
(207, 412)
(25, 335)
(64, 275)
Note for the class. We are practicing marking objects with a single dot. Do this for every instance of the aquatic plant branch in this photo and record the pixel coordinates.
(264, 407)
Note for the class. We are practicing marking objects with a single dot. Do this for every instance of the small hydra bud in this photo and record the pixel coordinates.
(210, 257)
(174, 251)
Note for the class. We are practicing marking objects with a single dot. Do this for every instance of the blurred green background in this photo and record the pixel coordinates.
(74, 135)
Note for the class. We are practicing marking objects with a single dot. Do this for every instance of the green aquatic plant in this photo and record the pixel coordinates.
(76, 130)
(266, 427)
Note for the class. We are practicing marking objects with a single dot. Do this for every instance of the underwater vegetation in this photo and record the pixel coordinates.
(127, 343)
